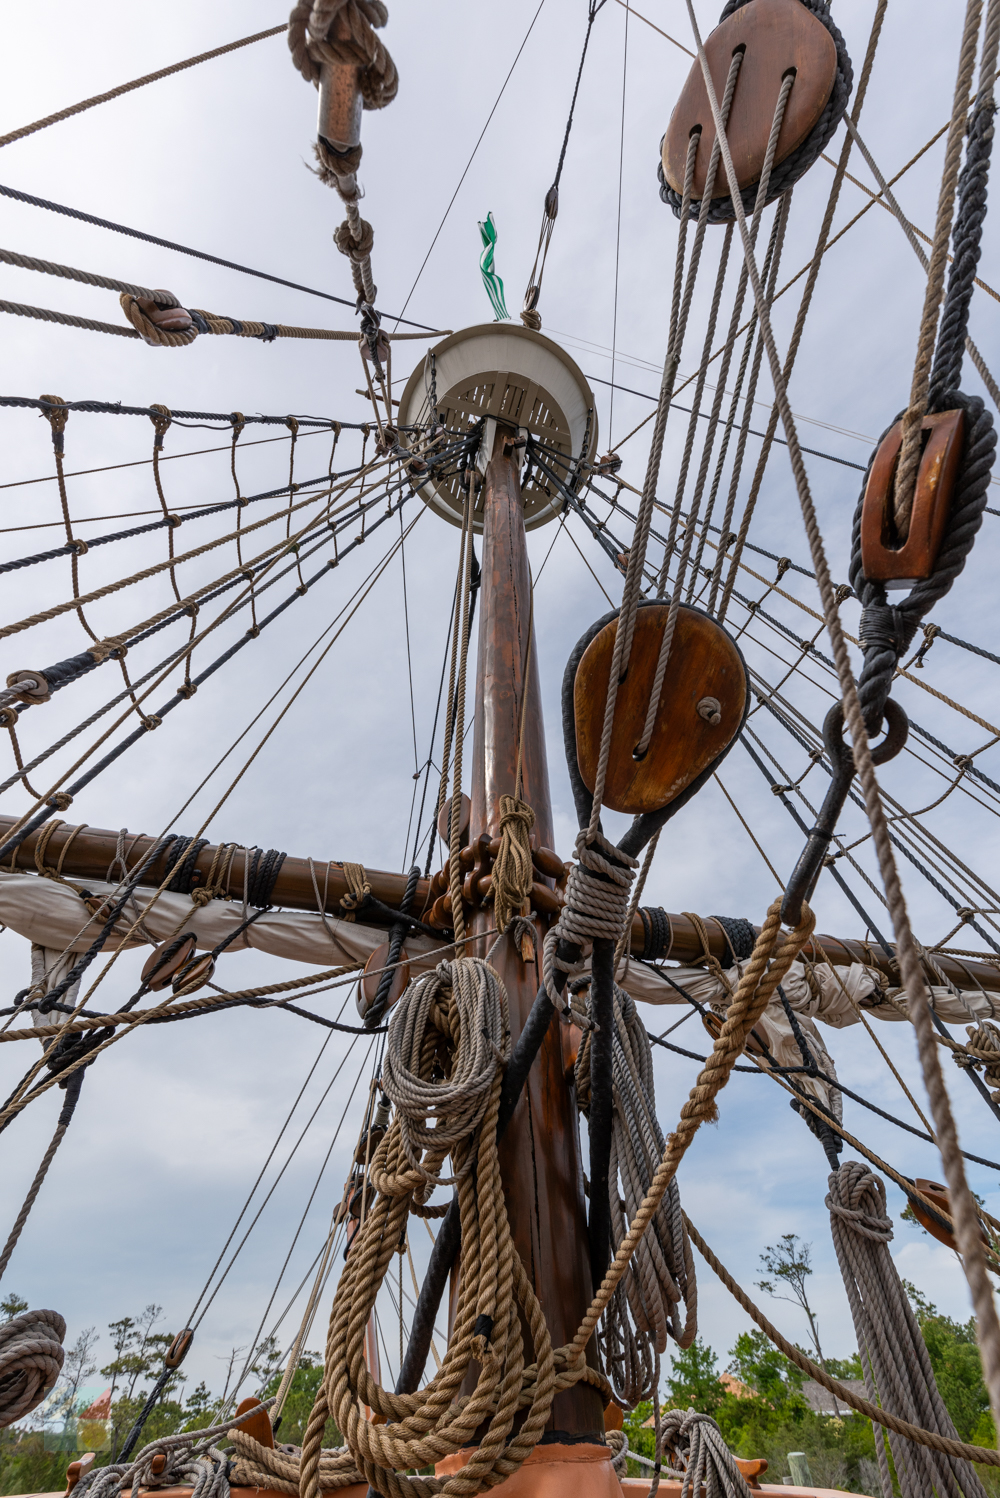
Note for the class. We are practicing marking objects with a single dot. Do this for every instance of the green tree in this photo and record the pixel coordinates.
(954, 1357)
(12, 1306)
(139, 1353)
(199, 1406)
(291, 1427)
(693, 1382)
(789, 1261)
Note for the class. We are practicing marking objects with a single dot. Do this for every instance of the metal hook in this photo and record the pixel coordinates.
(810, 864)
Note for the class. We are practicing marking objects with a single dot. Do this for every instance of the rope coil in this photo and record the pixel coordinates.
(31, 1359)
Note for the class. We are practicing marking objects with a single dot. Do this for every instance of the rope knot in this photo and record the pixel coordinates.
(857, 1198)
(359, 247)
(160, 327)
(62, 801)
(885, 628)
(512, 872)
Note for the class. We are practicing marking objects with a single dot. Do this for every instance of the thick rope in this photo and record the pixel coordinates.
(31, 1359)
(701, 1456)
(512, 872)
(909, 457)
(897, 1370)
(873, 1412)
(126, 88)
(914, 982)
(65, 1116)
(455, 825)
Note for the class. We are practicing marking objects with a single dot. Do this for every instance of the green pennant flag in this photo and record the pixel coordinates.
(492, 282)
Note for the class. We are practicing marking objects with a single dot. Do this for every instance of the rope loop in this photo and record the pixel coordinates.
(512, 872)
(160, 327)
(31, 1360)
(316, 35)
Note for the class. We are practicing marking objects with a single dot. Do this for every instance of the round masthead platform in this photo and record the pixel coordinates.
(502, 371)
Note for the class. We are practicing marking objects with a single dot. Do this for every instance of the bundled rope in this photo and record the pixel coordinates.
(31, 1359)
(897, 1369)
(644, 1309)
(512, 872)
(701, 1460)
(188, 1459)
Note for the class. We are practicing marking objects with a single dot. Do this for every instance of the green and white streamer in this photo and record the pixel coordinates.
(492, 282)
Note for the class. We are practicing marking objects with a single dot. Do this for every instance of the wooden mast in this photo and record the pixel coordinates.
(540, 1152)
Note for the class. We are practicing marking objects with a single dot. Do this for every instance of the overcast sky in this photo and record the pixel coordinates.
(174, 1124)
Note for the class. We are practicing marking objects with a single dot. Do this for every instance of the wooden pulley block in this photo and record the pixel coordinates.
(172, 966)
(190, 979)
(444, 822)
(713, 1024)
(372, 977)
(938, 1196)
(883, 557)
(259, 1425)
(775, 36)
(700, 711)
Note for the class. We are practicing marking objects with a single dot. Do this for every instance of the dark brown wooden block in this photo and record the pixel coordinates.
(881, 558)
(777, 35)
(704, 664)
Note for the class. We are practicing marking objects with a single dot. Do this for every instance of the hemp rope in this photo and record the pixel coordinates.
(661, 1274)
(31, 1360)
(823, 243)
(125, 88)
(909, 457)
(690, 530)
(896, 1365)
(492, 1270)
(512, 872)
(454, 829)
(862, 1406)
(697, 1440)
(65, 1116)
(966, 1226)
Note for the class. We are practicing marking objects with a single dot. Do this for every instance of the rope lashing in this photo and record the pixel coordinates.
(787, 172)
(894, 1357)
(700, 1456)
(657, 936)
(263, 875)
(358, 889)
(31, 1360)
(512, 871)
(340, 34)
(597, 893)
(985, 1037)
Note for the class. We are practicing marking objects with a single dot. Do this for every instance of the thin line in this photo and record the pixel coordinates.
(618, 231)
(813, 451)
(462, 178)
(168, 244)
(655, 28)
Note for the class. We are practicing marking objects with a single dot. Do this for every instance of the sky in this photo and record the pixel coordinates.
(175, 1124)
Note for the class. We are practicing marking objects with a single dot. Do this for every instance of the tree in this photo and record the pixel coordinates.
(694, 1381)
(954, 1357)
(199, 1403)
(267, 1361)
(789, 1262)
(12, 1306)
(761, 1367)
(139, 1354)
(299, 1402)
(78, 1366)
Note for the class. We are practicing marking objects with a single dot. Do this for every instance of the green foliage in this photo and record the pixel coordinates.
(954, 1356)
(12, 1306)
(845, 1367)
(298, 1405)
(693, 1382)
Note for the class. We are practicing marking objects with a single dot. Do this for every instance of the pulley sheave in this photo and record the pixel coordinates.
(701, 709)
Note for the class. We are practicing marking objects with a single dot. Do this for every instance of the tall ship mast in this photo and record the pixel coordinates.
(515, 1150)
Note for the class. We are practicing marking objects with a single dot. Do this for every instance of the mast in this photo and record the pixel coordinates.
(540, 1152)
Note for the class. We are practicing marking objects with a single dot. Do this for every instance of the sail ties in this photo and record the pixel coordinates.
(512, 872)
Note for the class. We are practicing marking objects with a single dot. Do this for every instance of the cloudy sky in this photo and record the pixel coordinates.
(175, 1124)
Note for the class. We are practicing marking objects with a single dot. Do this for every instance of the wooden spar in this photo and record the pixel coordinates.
(92, 851)
(540, 1152)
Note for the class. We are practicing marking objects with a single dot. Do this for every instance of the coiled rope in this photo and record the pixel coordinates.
(31, 1359)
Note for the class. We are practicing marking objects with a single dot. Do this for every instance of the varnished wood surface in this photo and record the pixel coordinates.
(882, 559)
(777, 35)
(704, 663)
(540, 1152)
(92, 851)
